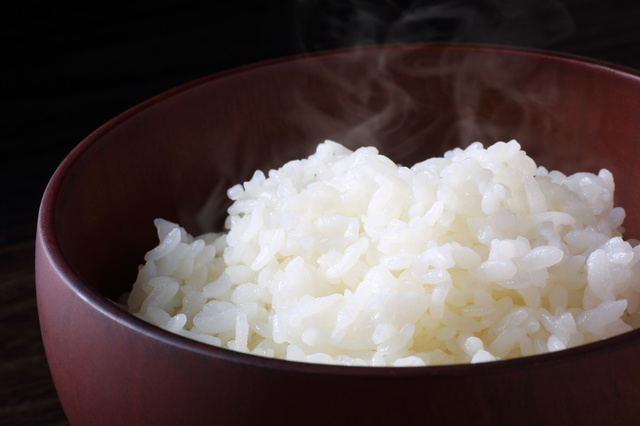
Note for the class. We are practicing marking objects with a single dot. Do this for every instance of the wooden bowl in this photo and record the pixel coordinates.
(175, 155)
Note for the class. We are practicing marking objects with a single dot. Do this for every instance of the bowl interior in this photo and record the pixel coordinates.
(176, 155)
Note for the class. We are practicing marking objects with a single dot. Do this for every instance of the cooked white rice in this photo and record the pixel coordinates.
(346, 258)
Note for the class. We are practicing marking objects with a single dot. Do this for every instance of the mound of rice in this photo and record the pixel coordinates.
(346, 258)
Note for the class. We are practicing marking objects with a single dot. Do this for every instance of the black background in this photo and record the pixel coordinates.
(69, 68)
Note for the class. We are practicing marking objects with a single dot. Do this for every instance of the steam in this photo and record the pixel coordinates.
(530, 23)
(376, 105)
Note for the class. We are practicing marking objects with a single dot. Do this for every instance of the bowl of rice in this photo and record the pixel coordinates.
(387, 235)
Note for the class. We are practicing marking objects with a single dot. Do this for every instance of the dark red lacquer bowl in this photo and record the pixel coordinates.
(175, 155)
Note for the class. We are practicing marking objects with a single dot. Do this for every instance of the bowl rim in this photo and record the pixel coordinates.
(50, 242)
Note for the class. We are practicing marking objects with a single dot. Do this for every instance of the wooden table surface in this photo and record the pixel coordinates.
(72, 69)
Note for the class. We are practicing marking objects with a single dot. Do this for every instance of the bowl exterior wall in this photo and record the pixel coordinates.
(107, 373)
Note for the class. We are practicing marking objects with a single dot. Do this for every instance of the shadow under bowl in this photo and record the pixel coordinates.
(175, 155)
